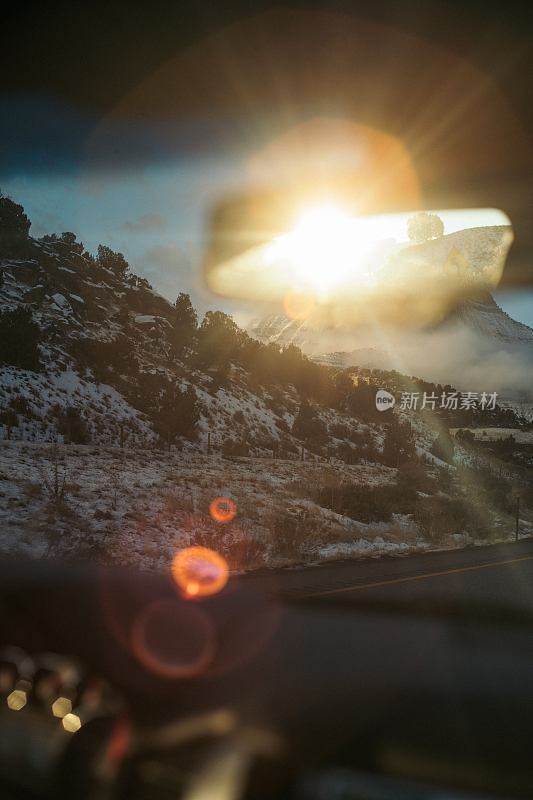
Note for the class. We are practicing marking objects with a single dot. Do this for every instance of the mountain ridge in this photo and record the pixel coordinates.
(475, 252)
(113, 363)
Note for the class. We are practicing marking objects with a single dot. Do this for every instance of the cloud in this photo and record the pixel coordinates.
(166, 256)
(148, 222)
(167, 268)
(470, 361)
(459, 356)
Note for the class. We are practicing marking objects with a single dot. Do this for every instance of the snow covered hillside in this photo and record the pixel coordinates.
(109, 347)
(137, 507)
(485, 317)
(123, 417)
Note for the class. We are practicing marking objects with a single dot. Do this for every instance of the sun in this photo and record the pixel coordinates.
(324, 250)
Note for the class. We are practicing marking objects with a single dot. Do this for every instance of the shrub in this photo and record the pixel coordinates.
(465, 436)
(345, 452)
(339, 429)
(72, 426)
(19, 339)
(245, 553)
(9, 419)
(33, 490)
(287, 537)
(232, 448)
(14, 224)
(440, 516)
(412, 478)
(20, 405)
(177, 414)
(308, 425)
(365, 503)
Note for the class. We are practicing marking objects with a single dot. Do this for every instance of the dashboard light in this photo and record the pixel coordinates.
(61, 707)
(16, 700)
(71, 722)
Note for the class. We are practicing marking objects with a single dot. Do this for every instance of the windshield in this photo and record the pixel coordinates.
(251, 314)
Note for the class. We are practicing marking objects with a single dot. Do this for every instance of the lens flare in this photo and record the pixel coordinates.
(223, 509)
(173, 639)
(61, 707)
(16, 700)
(71, 722)
(298, 305)
(119, 743)
(199, 571)
(327, 251)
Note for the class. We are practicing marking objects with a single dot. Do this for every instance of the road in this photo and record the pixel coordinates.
(501, 574)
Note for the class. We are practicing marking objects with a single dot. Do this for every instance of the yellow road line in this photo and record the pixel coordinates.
(422, 577)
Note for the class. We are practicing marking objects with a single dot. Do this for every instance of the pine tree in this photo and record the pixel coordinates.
(307, 424)
(69, 239)
(10, 419)
(399, 445)
(115, 262)
(13, 220)
(73, 427)
(219, 339)
(185, 323)
(19, 339)
(178, 414)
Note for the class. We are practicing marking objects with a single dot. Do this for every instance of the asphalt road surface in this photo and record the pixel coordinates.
(497, 574)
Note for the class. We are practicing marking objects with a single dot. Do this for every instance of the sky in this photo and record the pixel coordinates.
(154, 207)
(156, 216)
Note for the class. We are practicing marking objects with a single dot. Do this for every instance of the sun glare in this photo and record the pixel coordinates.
(330, 260)
(325, 249)
(199, 571)
(329, 251)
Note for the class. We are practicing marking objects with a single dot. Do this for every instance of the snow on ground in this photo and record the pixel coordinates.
(103, 408)
(139, 506)
(523, 408)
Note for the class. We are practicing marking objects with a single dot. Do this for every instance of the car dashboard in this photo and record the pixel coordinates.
(250, 695)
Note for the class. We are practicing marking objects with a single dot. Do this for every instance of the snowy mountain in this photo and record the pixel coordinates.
(481, 319)
(280, 329)
(485, 317)
(107, 355)
(473, 254)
